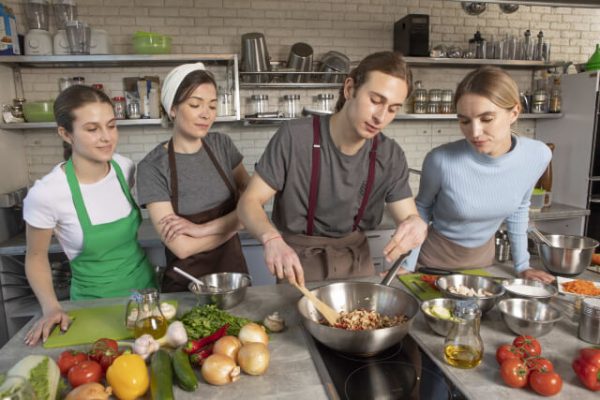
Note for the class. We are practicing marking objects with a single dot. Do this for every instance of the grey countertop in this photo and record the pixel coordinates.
(148, 238)
(292, 373)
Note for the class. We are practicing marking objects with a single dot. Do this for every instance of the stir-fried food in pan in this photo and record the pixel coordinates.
(360, 320)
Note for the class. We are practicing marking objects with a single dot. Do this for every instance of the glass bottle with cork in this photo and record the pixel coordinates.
(463, 347)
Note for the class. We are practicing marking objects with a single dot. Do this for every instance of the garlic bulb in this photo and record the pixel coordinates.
(274, 322)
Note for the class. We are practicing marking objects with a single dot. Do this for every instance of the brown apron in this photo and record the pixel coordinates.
(228, 257)
(333, 258)
(439, 252)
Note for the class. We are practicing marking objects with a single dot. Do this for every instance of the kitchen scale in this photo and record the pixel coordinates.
(388, 375)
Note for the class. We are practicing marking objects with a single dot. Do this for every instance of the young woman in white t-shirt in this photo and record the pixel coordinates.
(87, 204)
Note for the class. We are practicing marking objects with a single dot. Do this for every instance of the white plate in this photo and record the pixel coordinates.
(560, 280)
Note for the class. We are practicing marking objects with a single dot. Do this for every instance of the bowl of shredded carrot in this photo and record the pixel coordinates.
(579, 287)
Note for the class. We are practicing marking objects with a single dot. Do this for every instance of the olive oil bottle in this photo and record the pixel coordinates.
(463, 347)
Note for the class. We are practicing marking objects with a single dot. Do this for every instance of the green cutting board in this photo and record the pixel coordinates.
(91, 324)
(413, 282)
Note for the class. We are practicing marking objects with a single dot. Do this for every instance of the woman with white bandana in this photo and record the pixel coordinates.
(191, 183)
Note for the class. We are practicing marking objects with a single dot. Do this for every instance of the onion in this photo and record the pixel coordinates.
(253, 332)
(228, 346)
(89, 391)
(220, 370)
(254, 358)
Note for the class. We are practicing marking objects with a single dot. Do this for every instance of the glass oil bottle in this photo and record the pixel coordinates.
(463, 347)
(144, 308)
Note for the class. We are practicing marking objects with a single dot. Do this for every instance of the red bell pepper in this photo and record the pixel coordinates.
(194, 346)
(587, 367)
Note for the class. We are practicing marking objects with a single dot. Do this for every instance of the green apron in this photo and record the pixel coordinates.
(111, 262)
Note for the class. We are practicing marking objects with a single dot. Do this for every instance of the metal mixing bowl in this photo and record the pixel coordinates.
(438, 325)
(528, 316)
(511, 287)
(474, 282)
(223, 289)
(569, 255)
(349, 296)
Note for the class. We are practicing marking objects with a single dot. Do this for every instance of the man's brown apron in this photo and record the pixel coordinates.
(333, 258)
(228, 257)
(439, 252)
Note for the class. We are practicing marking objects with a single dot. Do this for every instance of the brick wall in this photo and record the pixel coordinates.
(355, 27)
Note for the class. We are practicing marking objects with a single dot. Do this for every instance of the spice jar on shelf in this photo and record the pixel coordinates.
(119, 107)
(291, 105)
(325, 101)
(259, 103)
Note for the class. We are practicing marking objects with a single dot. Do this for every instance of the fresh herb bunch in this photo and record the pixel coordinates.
(201, 321)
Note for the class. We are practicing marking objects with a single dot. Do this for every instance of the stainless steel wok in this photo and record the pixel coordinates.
(348, 296)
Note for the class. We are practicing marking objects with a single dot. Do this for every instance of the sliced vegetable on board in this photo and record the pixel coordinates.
(42, 373)
(587, 367)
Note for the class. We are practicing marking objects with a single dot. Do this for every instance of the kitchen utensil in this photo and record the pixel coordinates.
(79, 37)
(508, 8)
(529, 289)
(334, 67)
(589, 322)
(567, 255)
(300, 59)
(440, 326)
(39, 111)
(349, 296)
(528, 316)
(486, 303)
(151, 43)
(225, 289)
(473, 8)
(434, 271)
(61, 43)
(540, 236)
(255, 57)
(100, 43)
(38, 42)
(64, 11)
(329, 313)
(192, 278)
(91, 324)
(37, 14)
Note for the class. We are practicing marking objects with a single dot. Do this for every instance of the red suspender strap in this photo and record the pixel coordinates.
(370, 181)
(314, 176)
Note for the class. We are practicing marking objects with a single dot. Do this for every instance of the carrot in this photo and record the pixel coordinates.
(580, 286)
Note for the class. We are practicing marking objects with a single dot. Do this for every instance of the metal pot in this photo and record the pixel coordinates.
(568, 255)
(349, 296)
(334, 67)
(255, 57)
(300, 60)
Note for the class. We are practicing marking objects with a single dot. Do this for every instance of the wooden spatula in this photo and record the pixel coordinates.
(329, 313)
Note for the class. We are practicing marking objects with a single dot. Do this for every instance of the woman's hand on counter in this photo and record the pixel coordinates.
(42, 327)
(537, 275)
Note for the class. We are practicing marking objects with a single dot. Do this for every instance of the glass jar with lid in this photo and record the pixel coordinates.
(291, 105)
(433, 107)
(119, 106)
(420, 93)
(420, 107)
(78, 80)
(435, 95)
(325, 101)
(446, 107)
(446, 96)
(259, 103)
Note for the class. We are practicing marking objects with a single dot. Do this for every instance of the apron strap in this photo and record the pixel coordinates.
(314, 175)
(370, 181)
(220, 170)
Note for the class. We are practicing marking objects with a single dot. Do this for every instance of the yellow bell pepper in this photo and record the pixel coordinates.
(128, 377)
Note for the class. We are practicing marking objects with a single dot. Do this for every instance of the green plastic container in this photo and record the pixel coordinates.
(594, 61)
(151, 43)
(39, 111)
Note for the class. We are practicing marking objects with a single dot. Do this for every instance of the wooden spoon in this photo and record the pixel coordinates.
(329, 313)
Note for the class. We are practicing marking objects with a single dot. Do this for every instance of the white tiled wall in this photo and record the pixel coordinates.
(355, 27)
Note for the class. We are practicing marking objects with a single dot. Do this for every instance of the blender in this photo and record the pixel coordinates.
(38, 40)
(64, 11)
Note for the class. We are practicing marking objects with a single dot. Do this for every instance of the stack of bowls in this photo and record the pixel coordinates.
(485, 303)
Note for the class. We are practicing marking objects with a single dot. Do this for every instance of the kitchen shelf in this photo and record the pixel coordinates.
(475, 62)
(448, 117)
(120, 122)
(112, 60)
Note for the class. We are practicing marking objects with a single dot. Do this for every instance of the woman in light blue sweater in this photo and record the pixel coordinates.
(470, 187)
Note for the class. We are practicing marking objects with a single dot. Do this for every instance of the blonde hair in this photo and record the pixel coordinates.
(494, 84)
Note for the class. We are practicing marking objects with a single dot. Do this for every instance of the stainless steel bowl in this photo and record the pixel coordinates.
(475, 282)
(223, 289)
(512, 286)
(438, 325)
(348, 296)
(569, 255)
(528, 316)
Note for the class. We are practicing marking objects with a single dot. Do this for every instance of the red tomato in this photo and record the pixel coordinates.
(545, 383)
(514, 373)
(506, 352)
(68, 358)
(540, 364)
(85, 372)
(531, 347)
(104, 351)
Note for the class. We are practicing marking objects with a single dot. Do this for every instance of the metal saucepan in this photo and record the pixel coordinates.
(348, 296)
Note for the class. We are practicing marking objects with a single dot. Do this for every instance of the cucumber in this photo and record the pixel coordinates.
(186, 378)
(161, 376)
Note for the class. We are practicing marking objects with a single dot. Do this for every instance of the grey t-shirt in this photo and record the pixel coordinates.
(286, 167)
(200, 185)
